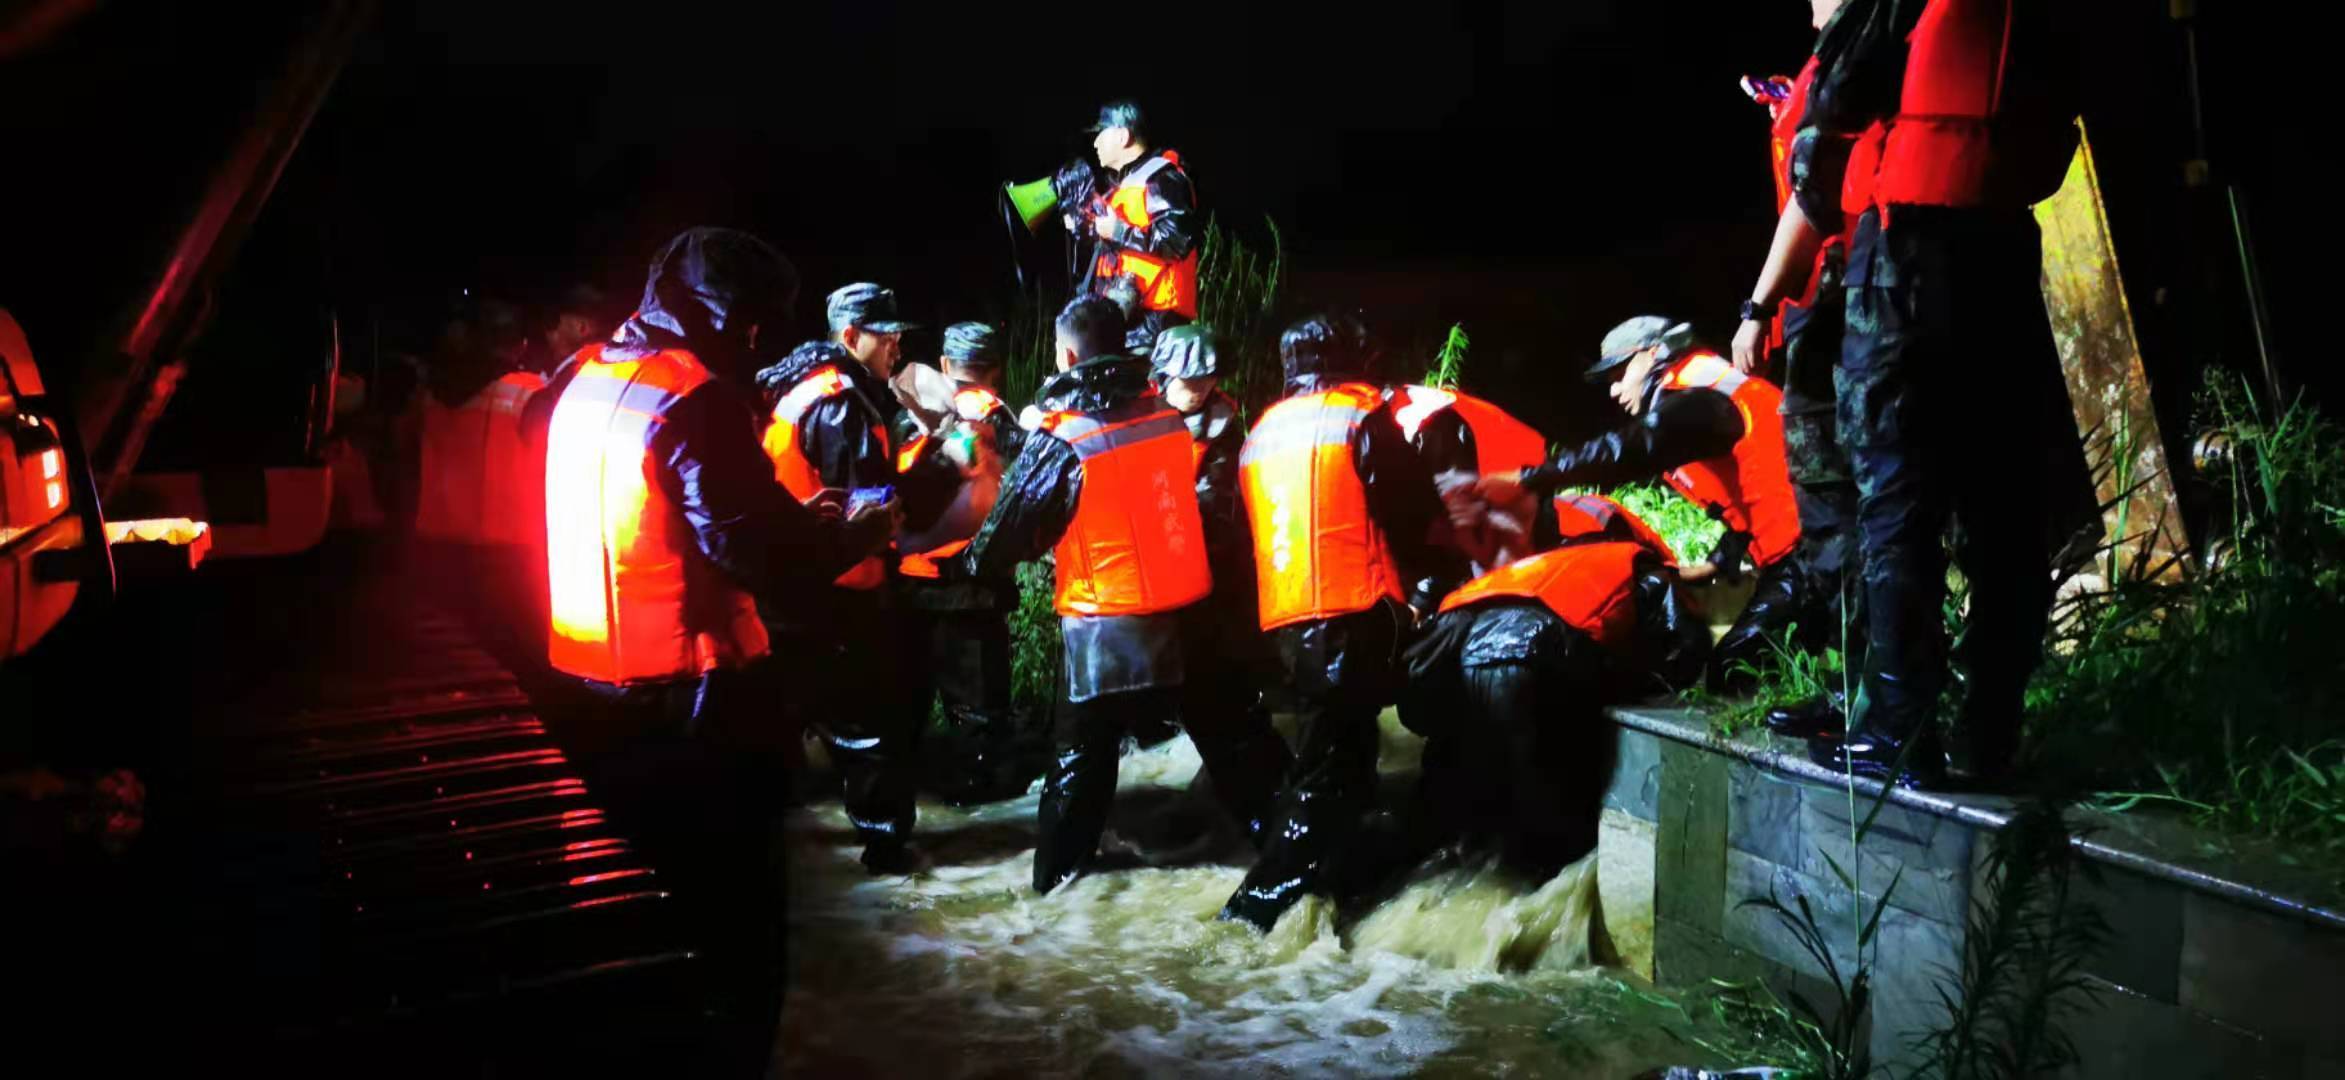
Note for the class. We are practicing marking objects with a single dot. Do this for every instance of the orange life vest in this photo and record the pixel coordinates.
(1590, 517)
(1779, 140)
(1317, 552)
(976, 403)
(1501, 442)
(1165, 284)
(477, 468)
(1748, 488)
(785, 446)
(1136, 545)
(632, 599)
(1590, 586)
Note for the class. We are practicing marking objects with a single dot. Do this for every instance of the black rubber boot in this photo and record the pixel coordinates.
(1916, 763)
(1824, 716)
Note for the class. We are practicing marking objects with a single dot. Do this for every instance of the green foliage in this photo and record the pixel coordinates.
(2219, 689)
(1239, 289)
(1783, 676)
(2022, 973)
(1035, 647)
(1690, 530)
(1833, 1039)
(1449, 364)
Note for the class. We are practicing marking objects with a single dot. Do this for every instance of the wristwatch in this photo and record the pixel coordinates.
(1754, 311)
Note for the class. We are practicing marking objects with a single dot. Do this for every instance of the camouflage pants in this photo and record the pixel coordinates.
(1821, 481)
(1952, 411)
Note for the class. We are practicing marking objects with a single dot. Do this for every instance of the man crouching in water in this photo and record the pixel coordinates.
(1508, 681)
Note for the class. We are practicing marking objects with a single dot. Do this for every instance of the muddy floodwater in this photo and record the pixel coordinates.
(964, 972)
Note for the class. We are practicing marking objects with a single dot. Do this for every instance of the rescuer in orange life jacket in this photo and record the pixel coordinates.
(663, 522)
(832, 410)
(1507, 684)
(1713, 434)
(957, 627)
(1939, 125)
(1145, 222)
(1104, 486)
(1343, 515)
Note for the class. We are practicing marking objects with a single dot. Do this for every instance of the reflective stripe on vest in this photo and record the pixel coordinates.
(1749, 488)
(1589, 517)
(477, 469)
(1590, 586)
(1165, 284)
(1317, 552)
(797, 472)
(1135, 545)
(631, 598)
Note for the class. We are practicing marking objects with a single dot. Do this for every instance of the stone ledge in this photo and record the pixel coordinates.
(2165, 850)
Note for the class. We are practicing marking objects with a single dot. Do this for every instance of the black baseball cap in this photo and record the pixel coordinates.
(864, 306)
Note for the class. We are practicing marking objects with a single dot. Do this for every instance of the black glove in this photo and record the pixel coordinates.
(1076, 183)
(1728, 556)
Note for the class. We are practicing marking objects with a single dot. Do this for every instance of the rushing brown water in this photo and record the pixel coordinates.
(964, 972)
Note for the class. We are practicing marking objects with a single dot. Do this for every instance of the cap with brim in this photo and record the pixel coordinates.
(1636, 335)
(865, 306)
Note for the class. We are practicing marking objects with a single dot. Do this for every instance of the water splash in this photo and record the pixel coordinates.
(964, 972)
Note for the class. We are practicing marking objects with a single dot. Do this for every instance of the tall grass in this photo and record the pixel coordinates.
(2218, 690)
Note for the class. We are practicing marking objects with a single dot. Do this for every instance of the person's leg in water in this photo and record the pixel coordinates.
(971, 653)
(1245, 760)
(1548, 750)
(654, 757)
(873, 737)
(1344, 671)
(1079, 790)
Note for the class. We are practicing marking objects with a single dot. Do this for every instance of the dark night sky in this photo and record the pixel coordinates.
(1536, 169)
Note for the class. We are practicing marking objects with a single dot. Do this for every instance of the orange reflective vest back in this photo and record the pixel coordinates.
(1501, 442)
(1318, 553)
(785, 446)
(477, 468)
(1748, 488)
(1135, 545)
(1590, 586)
(632, 599)
(1590, 517)
(1165, 284)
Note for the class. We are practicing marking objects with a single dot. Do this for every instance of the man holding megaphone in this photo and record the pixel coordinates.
(1135, 214)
